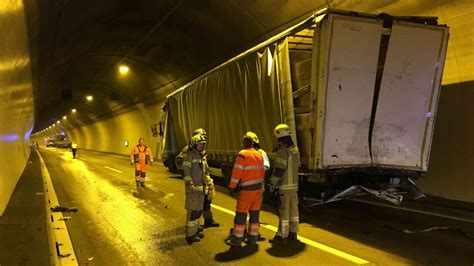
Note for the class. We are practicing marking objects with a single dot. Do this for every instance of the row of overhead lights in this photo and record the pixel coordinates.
(123, 70)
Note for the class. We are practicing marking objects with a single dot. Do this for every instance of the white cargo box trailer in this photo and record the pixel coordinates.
(360, 92)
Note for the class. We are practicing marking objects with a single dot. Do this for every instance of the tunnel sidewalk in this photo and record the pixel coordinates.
(23, 233)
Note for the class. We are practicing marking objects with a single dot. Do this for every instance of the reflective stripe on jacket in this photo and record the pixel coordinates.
(195, 170)
(248, 170)
(141, 154)
(285, 172)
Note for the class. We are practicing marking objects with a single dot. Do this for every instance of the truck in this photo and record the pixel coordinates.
(359, 91)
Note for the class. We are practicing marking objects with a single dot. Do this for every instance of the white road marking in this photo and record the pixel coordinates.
(56, 227)
(415, 211)
(113, 169)
(307, 241)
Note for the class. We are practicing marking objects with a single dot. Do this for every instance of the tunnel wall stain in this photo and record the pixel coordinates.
(16, 97)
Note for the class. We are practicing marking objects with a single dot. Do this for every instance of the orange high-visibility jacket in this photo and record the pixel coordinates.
(141, 154)
(249, 170)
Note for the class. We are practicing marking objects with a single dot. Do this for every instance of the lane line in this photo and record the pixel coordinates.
(113, 169)
(58, 235)
(307, 241)
(415, 211)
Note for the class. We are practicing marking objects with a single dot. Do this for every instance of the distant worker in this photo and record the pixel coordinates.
(284, 179)
(195, 174)
(248, 173)
(74, 149)
(210, 189)
(140, 157)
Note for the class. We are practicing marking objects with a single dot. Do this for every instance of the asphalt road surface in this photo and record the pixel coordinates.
(118, 224)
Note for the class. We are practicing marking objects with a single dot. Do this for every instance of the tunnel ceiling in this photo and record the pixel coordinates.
(77, 46)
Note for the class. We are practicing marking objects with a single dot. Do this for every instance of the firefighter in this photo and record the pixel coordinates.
(248, 173)
(140, 157)
(284, 180)
(210, 189)
(195, 174)
(74, 149)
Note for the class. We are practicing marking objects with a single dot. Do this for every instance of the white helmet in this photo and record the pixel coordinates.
(282, 130)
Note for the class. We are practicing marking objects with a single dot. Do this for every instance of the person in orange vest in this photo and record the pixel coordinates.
(248, 173)
(140, 157)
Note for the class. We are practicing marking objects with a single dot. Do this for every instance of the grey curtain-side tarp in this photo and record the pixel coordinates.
(252, 93)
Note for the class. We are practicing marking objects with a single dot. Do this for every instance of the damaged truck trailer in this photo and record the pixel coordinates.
(359, 91)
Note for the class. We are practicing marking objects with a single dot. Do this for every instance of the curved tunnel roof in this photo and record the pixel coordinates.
(77, 46)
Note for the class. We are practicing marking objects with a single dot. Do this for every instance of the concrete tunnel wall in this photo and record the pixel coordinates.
(110, 134)
(16, 97)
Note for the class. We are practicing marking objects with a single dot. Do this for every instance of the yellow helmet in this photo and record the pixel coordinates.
(282, 130)
(197, 139)
(252, 136)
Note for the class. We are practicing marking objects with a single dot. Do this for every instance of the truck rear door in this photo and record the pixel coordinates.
(408, 97)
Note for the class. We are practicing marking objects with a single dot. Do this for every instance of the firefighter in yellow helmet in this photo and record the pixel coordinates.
(284, 179)
(196, 174)
(210, 189)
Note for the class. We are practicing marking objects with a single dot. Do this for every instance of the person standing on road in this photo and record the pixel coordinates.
(210, 189)
(140, 157)
(284, 180)
(195, 173)
(74, 149)
(248, 173)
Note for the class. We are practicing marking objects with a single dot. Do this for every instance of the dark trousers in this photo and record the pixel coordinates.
(207, 213)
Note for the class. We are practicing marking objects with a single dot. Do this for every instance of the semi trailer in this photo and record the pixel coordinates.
(360, 92)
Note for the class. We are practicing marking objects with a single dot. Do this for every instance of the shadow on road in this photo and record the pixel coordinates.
(291, 249)
(236, 253)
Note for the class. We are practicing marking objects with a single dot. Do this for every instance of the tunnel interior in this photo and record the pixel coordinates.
(60, 52)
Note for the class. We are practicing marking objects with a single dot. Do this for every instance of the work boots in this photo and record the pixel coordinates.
(210, 223)
(251, 240)
(234, 241)
(293, 236)
(278, 240)
(192, 239)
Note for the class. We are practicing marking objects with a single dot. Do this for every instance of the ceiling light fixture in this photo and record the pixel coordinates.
(123, 69)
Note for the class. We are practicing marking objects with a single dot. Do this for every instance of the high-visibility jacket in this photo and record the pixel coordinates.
(74, 146)
(266, 161)
(141, 154)
(285, 172)
(248, 170)
(196, 170)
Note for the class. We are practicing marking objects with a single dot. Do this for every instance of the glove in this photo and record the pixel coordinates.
(190, 186)
(232, 192)
(271, 188)
(132, 162)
